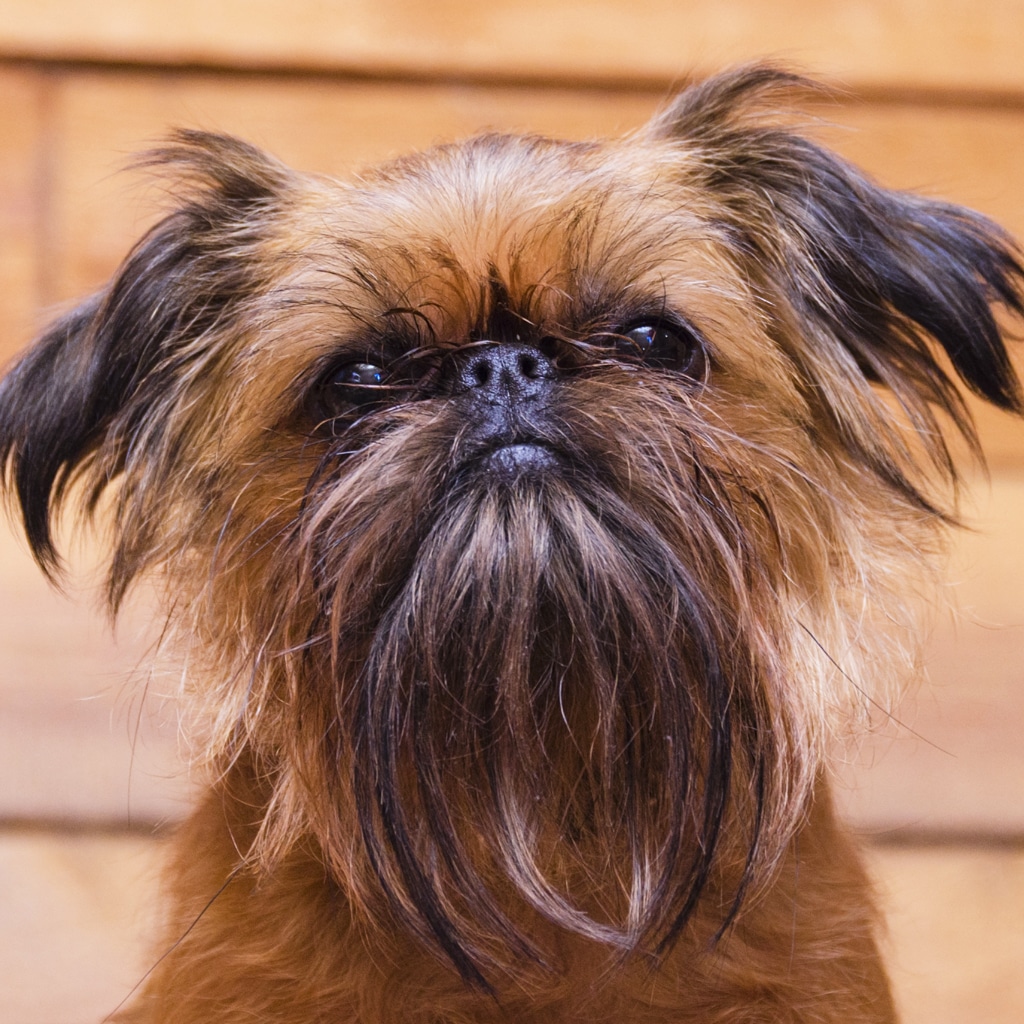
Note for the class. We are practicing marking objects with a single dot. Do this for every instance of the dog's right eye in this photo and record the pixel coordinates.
(352, 386)
(358, 376)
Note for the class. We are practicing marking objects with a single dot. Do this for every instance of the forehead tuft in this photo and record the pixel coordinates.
(511, 184)
(530, 211)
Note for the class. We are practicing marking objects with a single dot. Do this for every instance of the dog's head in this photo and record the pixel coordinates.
(535, 509)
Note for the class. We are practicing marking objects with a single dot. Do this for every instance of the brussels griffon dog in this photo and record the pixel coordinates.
(533, 514)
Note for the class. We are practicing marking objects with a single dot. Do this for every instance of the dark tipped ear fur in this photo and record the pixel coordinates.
(887, 274)
(99, 362)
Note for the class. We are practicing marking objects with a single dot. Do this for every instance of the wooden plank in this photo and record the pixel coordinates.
(84, 735)
(20, 140)
(945, 44)
(951, 760)
(956, 932)
(79, 913)
(1002, 434)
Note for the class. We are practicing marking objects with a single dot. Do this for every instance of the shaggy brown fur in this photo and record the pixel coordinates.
(533, 514)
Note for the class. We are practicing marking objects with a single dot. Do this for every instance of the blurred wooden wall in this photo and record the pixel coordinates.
(89, 765)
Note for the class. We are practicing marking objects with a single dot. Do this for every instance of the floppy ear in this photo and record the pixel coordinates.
(891, 278)
(78, 397)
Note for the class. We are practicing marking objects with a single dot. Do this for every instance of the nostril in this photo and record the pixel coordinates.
(481, 371)
(528, 366)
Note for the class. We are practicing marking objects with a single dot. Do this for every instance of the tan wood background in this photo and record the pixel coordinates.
(90, 768)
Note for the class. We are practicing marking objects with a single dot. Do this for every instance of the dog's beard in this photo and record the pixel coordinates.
(519, 670)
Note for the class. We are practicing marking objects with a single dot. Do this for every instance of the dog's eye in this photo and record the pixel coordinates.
(352, 386)
(669, 346)
(358, 375)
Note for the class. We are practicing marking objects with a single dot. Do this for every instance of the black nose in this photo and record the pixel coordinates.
(502, 374)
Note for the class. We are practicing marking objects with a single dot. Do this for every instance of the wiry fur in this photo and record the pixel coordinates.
(514, 685)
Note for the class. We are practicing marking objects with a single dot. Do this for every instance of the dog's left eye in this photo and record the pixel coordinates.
(668, 346)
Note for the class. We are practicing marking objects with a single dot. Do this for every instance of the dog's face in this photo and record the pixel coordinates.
(534, 509)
